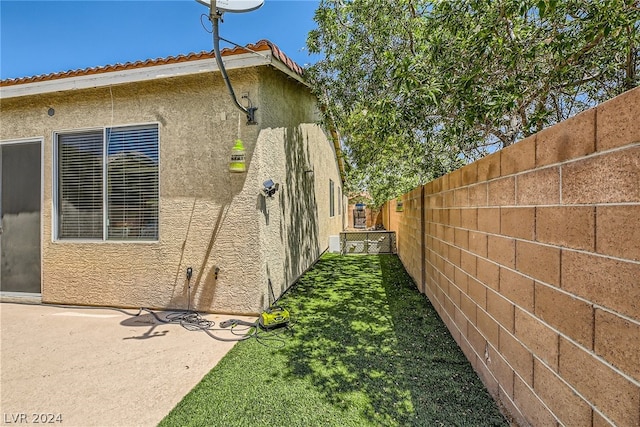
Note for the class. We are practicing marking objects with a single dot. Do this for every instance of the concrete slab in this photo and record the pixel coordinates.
(98, 367)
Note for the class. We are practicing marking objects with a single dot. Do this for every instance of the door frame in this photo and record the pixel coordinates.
(22, 296)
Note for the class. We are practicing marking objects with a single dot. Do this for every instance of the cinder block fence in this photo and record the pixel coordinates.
(532, 258)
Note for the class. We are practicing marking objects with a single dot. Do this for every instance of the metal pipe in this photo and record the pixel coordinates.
(214, 15)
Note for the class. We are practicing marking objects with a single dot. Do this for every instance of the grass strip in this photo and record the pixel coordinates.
(366, 349)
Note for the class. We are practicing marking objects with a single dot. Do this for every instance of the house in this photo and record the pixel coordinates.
(117, 188)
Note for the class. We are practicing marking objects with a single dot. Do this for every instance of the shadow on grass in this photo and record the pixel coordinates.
(366, 349)
(372, 343)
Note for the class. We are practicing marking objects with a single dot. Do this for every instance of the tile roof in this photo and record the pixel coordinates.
(262, 45)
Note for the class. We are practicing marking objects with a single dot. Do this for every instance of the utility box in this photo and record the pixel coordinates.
(334, 244)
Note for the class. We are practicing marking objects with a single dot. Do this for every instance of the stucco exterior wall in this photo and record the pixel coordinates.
(296, 153)
(209, 219)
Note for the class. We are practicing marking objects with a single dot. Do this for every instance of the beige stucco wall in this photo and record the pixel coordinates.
(209, 218)
(295, 152)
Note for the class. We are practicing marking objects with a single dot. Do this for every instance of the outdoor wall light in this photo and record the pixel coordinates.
(269, 188)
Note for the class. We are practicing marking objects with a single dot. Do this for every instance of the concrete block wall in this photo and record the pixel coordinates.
(531, 256)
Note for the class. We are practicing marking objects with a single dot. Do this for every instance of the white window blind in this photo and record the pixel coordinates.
(132, 177)
(80, 199)
(130, 183)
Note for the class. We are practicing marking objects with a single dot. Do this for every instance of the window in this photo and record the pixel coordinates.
(332, 202)
(107, 184)
(339, 201)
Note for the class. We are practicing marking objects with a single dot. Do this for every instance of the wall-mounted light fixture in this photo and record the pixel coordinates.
(269, 188)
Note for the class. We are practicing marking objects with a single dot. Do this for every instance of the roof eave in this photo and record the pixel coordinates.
(286, 70)
(261, 53)
(111, 78)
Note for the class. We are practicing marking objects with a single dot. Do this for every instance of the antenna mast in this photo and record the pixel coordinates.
(215, 16)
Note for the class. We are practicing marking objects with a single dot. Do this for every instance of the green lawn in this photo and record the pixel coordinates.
(366, 349)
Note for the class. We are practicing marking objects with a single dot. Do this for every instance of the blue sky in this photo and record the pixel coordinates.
(41, 37)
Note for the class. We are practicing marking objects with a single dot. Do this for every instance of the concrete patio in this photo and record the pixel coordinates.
(98, 367)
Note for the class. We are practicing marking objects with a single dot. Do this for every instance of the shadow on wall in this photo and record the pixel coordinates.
(203, 284)
(299, 230)
(207, 279)
(199, 292)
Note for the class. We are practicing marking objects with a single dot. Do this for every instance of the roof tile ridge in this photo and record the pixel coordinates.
(260, 45)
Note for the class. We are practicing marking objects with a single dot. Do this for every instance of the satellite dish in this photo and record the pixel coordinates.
(236, 6)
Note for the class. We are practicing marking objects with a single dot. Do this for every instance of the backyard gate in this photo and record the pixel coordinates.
(368, 242)
(359, 216)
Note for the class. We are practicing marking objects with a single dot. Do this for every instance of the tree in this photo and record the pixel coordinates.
(418, 88)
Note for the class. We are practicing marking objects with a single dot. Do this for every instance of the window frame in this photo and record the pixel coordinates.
(332, 202)
(56, 183)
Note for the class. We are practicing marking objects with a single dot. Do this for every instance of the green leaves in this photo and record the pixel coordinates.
(419, 87)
